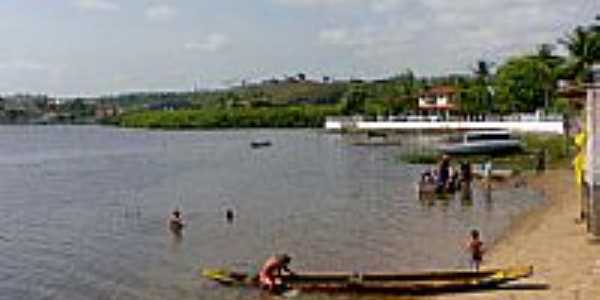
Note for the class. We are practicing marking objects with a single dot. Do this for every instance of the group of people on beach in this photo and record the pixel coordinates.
(446, 177)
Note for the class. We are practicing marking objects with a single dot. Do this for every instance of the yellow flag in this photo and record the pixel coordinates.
(580, 159)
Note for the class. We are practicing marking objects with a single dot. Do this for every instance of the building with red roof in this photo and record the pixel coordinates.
(438, 100)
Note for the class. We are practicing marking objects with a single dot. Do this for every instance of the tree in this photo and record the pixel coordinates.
(470, 96)
(544, 51)
(554, 63)
(482, 70)
(354, 100)
(521, 84)
(583, 45)
(478, 96)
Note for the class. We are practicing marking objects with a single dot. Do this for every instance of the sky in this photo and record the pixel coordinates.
(101, 47)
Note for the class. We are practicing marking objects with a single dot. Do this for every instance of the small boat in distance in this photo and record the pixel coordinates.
(483, 142)
(260, 144)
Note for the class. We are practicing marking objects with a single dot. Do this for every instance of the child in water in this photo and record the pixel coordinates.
(475, 248)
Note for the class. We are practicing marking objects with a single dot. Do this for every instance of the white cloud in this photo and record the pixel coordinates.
(334, 36)
(22, 65)
(315, 2)
(450, 31)
(381, 6)
(378, 6)
(161, 12)
(97, 5)
(211, 43)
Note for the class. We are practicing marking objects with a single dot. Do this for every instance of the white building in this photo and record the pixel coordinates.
(438, 100)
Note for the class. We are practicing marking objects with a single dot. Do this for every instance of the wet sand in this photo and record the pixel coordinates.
(565, 258)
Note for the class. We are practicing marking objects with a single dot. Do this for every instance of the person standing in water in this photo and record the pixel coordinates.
(443, 173)
(229, 215)
(475, 248)
(176, 221)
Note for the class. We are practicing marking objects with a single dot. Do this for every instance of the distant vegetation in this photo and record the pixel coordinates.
(522, 83)
(280, 117)
(420, 158)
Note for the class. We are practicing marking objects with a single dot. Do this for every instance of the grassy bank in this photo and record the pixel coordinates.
(264, 117)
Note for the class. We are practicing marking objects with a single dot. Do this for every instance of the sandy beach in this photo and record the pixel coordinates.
(566, 261)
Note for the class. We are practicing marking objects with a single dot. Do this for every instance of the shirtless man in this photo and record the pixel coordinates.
(270, 273)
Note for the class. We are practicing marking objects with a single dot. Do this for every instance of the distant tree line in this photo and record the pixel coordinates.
(522, 83)
(239, 117)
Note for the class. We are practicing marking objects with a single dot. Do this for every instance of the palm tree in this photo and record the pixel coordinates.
(551, 71)
(583, 45)
(482, 72)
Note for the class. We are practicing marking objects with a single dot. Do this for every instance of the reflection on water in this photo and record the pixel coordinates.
(464, 195)
(176, 239)
(83, 211)
(487, 195)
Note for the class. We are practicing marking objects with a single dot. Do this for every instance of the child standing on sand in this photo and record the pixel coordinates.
(475, 248)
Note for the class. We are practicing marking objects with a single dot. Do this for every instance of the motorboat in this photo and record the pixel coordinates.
(482, 142)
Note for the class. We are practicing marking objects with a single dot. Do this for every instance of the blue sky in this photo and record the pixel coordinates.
(91, 47)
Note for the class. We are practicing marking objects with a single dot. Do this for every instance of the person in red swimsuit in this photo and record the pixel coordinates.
(475, 247)
(270, 273)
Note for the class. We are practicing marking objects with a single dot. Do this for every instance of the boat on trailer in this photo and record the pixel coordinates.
(380, 283)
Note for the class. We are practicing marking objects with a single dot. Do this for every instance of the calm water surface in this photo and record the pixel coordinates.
(83, 210)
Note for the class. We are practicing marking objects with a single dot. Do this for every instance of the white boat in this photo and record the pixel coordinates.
(483, 142)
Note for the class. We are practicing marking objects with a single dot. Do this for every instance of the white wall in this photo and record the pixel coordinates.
(532, 126)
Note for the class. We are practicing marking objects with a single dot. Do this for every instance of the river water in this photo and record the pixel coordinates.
(83, 210)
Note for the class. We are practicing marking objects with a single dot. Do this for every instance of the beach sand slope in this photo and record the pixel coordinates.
(564, 257)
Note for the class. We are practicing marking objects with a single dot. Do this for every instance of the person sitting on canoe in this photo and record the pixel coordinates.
(176, 220)
(271, 271)
(475, 247)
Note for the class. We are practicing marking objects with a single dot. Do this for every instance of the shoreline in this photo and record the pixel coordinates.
(525, 220)
(566, 264)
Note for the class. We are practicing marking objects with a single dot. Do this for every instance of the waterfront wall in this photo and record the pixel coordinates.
(518, 126)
